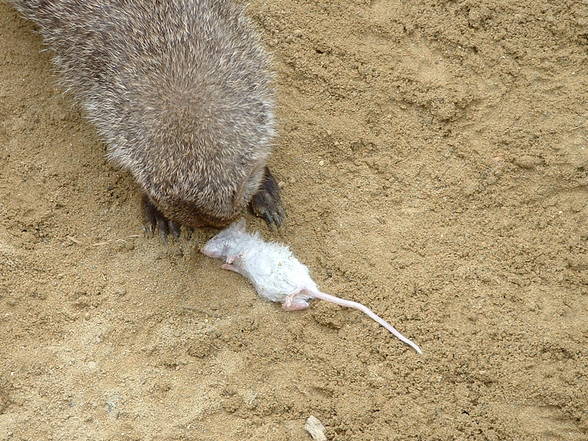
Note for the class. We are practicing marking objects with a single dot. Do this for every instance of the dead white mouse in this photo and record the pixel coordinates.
(276, 274)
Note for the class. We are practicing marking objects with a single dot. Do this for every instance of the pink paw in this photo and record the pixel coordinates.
(293, 303)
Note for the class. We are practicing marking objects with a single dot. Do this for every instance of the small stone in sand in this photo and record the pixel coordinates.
(315, 428)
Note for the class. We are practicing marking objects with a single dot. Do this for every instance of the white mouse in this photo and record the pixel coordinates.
(276, 274)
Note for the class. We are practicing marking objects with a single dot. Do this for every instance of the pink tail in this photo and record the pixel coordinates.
(369, 313)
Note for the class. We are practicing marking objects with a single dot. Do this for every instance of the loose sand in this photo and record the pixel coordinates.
(434, 163)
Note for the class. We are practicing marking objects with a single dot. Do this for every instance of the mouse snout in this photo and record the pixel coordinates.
(210, 252)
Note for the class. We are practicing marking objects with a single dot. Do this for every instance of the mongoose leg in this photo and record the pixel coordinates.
(155, 220)
(266, 203)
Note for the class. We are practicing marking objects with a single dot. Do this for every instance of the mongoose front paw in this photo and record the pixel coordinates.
(266, 203)
(155, 220)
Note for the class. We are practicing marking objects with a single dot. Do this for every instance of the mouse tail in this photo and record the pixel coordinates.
(351, 304)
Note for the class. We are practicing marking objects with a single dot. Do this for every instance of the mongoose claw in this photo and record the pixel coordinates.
(174, 229)
(155, 220)
(267, 203)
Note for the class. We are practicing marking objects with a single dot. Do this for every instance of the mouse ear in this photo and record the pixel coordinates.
(240, 225)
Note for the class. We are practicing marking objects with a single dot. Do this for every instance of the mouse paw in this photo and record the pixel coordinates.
(228, 266)
(155, 220)
(294, 303)
(267, 203)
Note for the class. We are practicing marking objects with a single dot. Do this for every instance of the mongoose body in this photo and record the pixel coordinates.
(180, 92)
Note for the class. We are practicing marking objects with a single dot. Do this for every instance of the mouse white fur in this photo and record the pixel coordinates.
(276, 274)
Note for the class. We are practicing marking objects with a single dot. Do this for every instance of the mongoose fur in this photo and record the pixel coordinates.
(180, 92)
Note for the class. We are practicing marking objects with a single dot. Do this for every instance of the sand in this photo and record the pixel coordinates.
(433, 157)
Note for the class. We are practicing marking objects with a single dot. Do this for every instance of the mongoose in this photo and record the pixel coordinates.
(180, 92)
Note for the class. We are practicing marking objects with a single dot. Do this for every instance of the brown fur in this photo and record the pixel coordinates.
(178, 89)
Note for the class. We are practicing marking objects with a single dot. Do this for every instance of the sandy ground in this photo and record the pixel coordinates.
(434, 163)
